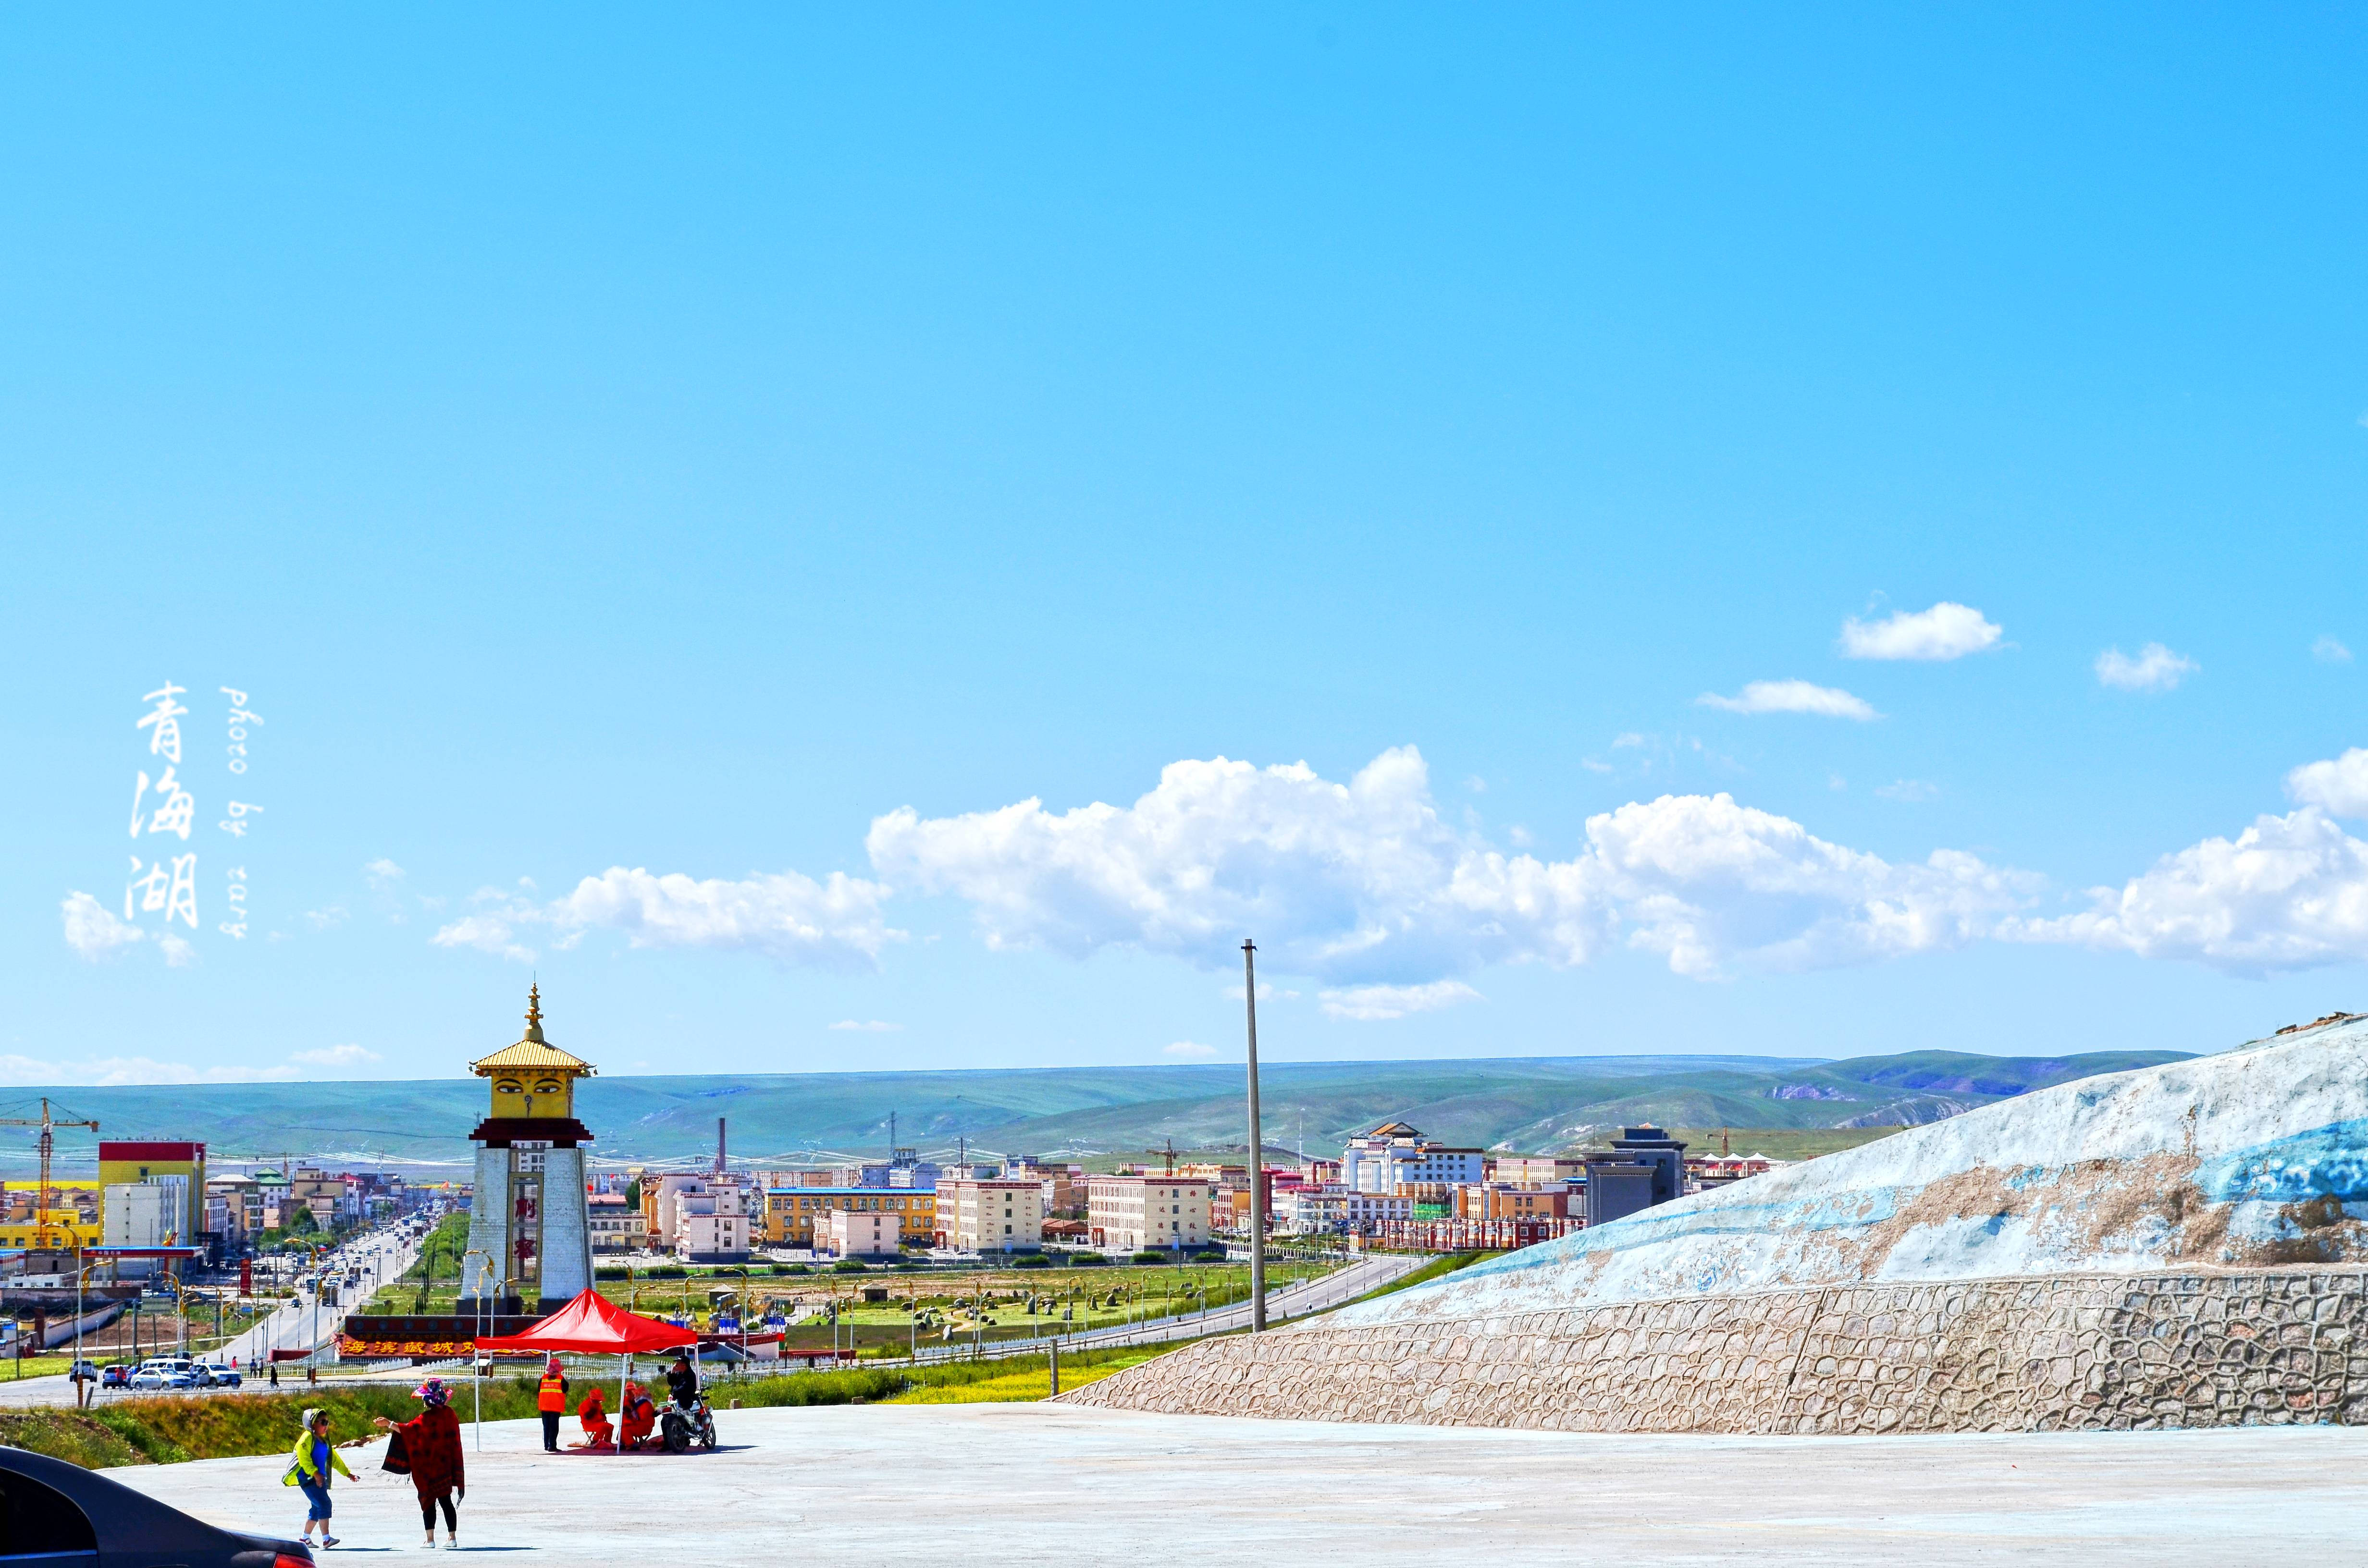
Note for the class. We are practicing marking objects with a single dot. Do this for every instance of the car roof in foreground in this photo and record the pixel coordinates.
(130, 1523)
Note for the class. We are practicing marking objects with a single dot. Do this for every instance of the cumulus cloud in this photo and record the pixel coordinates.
(335, 1056)
(2155, 668)
(2288, 892)
(381, 873)
(1790, 697)
(2327, 650)
(1364, 883)
(328, 919)
(834, 923)
(1909, 790)
(1368, 1004)
(1189, 1051)
(2339, 787)
(93, 930)
(1947, 630)
(867, 1026)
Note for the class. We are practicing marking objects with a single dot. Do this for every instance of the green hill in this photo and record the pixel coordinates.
(1532, 1104)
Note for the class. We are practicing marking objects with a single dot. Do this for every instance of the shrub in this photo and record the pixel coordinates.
(1034, 1260)
(847, 1265)
(1087, 1260)
(664, 1271)
(611, 1273)
(1148, 1255)
(792, 1268)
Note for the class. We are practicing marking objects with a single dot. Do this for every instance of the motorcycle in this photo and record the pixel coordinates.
(682, 1429)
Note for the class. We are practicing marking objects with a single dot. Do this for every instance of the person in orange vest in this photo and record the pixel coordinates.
(597, 1432)
(550, 1402)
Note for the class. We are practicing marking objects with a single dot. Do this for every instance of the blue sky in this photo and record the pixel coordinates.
(673, 491)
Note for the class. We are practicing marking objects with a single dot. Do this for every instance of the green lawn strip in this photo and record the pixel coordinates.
(1436, 1269)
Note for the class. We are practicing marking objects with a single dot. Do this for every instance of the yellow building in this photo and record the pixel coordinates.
(790, 1213)
(66, 1228)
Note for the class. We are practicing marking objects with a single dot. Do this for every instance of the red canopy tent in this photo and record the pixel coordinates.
(591, 1325)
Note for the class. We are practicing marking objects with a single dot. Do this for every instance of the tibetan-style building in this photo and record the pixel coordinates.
(530, 1231)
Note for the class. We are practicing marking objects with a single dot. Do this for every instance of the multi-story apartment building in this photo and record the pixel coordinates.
(1130, 1213)
(1395, 1154)
(846, 1232)
(1536, 1170)
(792, 1213)
(1334, 1211)
(1006, 1215)
(615, 1224)
(716, 1225)
(1496, 1201)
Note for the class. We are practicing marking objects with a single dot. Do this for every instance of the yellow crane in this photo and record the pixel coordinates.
(42, 1226)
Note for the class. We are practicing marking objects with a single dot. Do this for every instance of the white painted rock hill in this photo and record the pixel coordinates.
(2253, 1158)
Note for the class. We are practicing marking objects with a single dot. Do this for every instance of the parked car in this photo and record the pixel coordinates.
(219, 1376)
(165, 1375)
(115, 1375)
(63, 1516)
(83, 1371)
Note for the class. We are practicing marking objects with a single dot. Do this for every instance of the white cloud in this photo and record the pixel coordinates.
(335, 1056)
(1947, 630)
(180, 953)
(1909, 790)
(2340, 787)
(2327, 650)
(94, 930)
(2155, 668)
(1369, 1003)
(870, 1025)
(834, 923)
(381, 872)
(104, 1071)
(328, 919)
(1189, 1051)
(1630, 739)
(1592, 766)
(2288, 892)
(1362, 883)
(1267, 993)
(1790, 697)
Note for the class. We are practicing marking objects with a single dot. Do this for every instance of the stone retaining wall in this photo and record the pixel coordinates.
(1958, 1356)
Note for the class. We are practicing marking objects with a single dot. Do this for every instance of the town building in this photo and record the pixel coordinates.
(1499, 1200)
(1643, 1168)
(1338, 1210)
(615, 1225)
(1134, 1213)
(719, 1224)
(1537, 1170)
(794, 1215)
(146, 1213)
(179, 1166)
(1006, 1215)
(1396, 1154)
(851, 1233)
(529, 1233)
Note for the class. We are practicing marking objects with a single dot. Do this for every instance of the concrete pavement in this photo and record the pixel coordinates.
(1030, 1483)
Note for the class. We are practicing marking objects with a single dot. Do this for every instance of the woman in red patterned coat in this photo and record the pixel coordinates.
(431, 1444)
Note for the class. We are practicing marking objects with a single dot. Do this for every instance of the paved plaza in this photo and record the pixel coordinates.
(1032, 1483)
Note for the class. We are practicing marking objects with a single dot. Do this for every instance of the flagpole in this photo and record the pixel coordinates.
(1258, 1151)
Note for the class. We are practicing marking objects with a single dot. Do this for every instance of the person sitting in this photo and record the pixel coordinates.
(598, 1431)
(638, 1416)
(683, 1383)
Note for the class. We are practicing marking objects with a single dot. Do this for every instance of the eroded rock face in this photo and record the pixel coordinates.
(2268, 1346)
(2181, 1246)
(2252, 1159)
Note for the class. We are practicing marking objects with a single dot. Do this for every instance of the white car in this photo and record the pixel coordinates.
(166, 1373)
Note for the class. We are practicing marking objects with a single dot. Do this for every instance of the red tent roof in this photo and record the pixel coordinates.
(594, 1327)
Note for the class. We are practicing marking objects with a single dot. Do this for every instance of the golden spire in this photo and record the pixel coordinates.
(534, 1013)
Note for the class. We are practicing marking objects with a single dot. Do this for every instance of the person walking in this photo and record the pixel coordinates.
(315, 1461)
(551, 1403)
(432, 1456)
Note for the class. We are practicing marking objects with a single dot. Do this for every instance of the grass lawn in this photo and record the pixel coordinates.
(1031, 1382)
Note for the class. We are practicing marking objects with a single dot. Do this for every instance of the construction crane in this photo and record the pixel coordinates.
(1168, 1152)
(41, 1199)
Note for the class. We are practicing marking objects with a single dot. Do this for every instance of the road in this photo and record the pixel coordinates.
(296, 1325)
(1319, 1294)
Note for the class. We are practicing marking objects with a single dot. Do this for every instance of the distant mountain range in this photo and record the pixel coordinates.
(1525, 1104)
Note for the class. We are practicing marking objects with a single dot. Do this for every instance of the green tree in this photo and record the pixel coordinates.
(300, 1221)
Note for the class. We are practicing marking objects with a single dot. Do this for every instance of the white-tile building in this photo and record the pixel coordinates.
(990, 1216)
(1130, 1213)
(1334, 1211)
(1396, 1156)
(852, 1233)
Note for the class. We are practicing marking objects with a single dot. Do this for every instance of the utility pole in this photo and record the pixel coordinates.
(1258, 1148)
